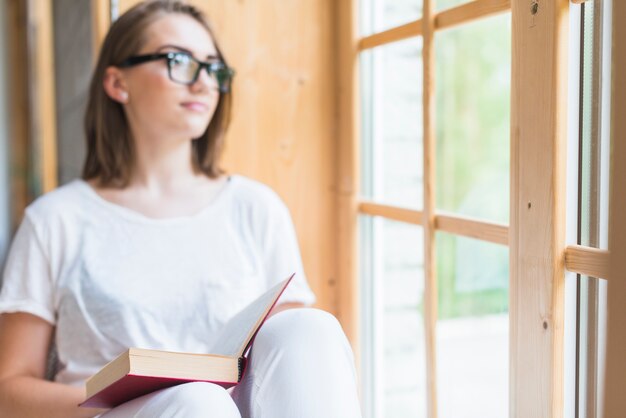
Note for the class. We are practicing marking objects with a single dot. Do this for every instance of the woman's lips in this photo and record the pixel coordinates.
(195, 106)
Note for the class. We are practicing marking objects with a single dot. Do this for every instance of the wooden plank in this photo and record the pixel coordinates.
(45, 106)
(430, 260)
(283, 131)
(122, 6)
(537, 231)
(458, 225)
(348, 121)
(465, 13)
(18, 108)
(392, 35)
(615, 380)
(101, 20)
(587, 261)
(473, 228)
(470, 12)
(391, 212)
(42, 95)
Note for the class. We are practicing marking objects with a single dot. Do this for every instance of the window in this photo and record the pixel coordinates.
(587, 207)
(437, 208)
(434, 330)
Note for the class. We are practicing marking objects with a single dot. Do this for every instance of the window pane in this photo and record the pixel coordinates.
(447, 4)
(473, 74)
(594, 145)
(380, 15)
(591, 345)
(593, 195)
(393, 327)
(472, 328)
(391, 78)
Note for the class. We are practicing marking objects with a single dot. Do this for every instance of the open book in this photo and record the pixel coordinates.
(138, 371)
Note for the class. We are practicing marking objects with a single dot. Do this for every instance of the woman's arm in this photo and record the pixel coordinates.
(24, 343)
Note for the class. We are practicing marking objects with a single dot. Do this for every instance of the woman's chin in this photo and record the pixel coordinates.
(194, 131)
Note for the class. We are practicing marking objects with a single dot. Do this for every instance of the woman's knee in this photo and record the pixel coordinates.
(200, 399)
(302, 328)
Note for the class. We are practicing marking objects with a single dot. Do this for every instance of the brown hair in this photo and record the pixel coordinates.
(110, 148)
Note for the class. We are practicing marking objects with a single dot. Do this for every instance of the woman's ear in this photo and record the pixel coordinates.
(115, 85)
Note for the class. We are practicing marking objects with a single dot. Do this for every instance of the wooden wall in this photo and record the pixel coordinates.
(283, 127)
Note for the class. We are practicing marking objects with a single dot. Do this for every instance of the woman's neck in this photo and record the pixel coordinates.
(162, 165)
(163, 183)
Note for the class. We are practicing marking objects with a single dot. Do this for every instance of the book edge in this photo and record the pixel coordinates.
(248, 341)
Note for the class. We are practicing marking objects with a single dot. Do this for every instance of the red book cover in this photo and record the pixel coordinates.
(133, 386)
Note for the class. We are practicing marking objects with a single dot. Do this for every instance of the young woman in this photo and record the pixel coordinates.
(155, 247)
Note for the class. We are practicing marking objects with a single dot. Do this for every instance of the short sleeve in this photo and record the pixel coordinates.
(281, 255)
(27, 282)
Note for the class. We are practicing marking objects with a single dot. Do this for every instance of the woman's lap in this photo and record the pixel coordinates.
(197, 399)
(301, 365)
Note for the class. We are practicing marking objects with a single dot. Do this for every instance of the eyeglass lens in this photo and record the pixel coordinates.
(184, 69)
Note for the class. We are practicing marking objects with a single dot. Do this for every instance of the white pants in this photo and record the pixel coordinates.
(301, 366)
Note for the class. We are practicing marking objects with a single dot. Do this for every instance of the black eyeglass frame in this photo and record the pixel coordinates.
(222, 72)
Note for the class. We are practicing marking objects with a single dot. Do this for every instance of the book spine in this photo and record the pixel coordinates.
(242, 368)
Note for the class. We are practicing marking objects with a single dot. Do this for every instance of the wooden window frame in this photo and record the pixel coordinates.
(536, 235)
(41, 94)
(615, 379)
(32, 113)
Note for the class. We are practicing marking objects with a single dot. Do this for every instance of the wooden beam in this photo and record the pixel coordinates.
(458, 225)
(615, 380)
(537, 231)
(392, 35)
(465, 13)
(473, 228)
(428, 222)
(101, 20)
(588, 261)
(391, 212)
(42, 95)
(470, 11)
(347, 122)
(18, 108)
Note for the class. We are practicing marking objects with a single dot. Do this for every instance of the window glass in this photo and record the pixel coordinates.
(393, 324)
(380, 15)
(473, 82)
(591, 349)
(592, 201)
(594, 137)
(391, 143)
(447, 4)
(472, 328)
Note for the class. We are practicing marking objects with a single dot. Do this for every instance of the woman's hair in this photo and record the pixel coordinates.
(110, 145)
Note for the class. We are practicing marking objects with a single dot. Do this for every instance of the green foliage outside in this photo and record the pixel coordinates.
(473, 114)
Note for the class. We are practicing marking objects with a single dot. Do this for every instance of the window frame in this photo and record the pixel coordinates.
(538, 200)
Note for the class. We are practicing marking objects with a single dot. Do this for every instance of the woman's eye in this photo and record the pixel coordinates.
(180, 59)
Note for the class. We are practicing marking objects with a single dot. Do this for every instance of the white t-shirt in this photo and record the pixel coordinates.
(110, 278)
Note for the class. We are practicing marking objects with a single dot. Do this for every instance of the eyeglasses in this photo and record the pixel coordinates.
(184, 69)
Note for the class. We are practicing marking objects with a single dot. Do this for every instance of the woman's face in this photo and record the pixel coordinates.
(159, 106)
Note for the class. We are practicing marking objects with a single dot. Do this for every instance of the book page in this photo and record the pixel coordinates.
(233, 338)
